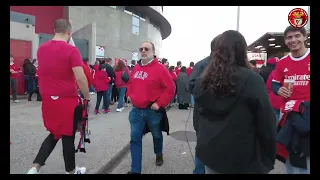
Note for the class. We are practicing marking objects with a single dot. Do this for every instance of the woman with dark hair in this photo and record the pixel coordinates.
(122, 74)
(183, 94)
(29, 73)
(35, 89)
(236, 130)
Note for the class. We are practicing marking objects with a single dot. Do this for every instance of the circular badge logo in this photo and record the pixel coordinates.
(298, 17)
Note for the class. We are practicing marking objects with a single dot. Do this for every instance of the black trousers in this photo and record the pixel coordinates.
(114, 95)
(67, 145)
(100, 95)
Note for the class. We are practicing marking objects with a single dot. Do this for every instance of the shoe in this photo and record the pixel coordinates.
(79, 170)
(159, 160)
(132, 173)
(106, 111)
(119, 109)
(96, 112)
(33, 170)
(16, 101)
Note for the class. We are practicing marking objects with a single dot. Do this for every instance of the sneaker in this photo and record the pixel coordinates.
(33, 170)
(96, 112)
(106, 111)
(16, 101)
(159, 160)
(79, 170)
(120, 109)
(92, 93)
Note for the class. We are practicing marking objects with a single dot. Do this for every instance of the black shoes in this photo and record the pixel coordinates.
(159, 160)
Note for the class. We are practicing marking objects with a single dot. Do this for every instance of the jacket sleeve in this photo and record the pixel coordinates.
(265, 120)
(110, 71)
(166, 81)
(194, 75)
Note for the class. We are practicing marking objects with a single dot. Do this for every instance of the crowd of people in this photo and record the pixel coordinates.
(244, 119)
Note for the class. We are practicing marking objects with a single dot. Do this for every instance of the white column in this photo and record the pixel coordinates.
(238, 18)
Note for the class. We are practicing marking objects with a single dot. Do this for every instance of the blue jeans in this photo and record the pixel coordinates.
(138, 119)
(295, 170)
(277, 114)
(106, 101)
(31, 83)
(199, 166)
(192, 100)
(91, 89)
(121, 94)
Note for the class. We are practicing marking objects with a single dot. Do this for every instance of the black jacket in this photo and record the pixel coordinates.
(110, 72)
(236, 134)
(266, 71)
(164, 122)
(196, 72)
(29, 69)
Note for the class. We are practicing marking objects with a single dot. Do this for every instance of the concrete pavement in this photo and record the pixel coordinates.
(110, 135)
(178, 152)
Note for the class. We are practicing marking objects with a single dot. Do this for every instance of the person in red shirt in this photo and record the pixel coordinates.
(177, 69)
(294, 67)
(87, 72)
(150, 89)
(174, 78)
(190, 68)
(101, 81)
(60, 71)
(121, 83)
(13, 79)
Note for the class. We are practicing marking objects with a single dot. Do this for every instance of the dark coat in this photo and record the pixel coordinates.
(236, 134)
(294, 134)
(183, 94)
(164, 123)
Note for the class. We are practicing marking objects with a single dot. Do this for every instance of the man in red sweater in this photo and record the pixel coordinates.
(13, 79)
(150, 89)
(177, 69)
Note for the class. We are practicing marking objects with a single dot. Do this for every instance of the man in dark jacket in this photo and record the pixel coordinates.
(266, 70)
(110, 72)
(196, 72)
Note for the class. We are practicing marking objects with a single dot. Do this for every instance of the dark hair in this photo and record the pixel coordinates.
(191, 64)
(229, 54)
(133, 62)
(213, 42)
(91, 66)
(101, 66)
(120, 66)
(164, 60)
(102, 62)
(34, 60)
(26, 61)
(179, 63)
(85, 59)
(171, 68)
(108, 60)
(294, 29)
(62, 26)
(253, 62)
(183, 69)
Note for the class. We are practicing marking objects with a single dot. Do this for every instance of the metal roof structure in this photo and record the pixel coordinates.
(272, 43)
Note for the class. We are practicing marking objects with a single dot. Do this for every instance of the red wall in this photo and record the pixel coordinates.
(45, 16)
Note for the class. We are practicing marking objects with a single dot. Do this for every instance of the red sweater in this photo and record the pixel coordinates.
(174, 76)
(15, 68)
(118, 78)
(150, 83)
(87, 72)
(101, 81)
(189, 71)
(275, 100)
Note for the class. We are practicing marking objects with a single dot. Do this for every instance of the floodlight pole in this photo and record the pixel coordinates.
(238, 18)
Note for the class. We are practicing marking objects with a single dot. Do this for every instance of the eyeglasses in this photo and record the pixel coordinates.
(143, 48)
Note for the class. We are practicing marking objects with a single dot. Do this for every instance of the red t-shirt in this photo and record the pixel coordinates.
(15, 68)
(297, 69)
(56, 60)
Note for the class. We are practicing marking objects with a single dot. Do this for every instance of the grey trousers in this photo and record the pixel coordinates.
(14, 85)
